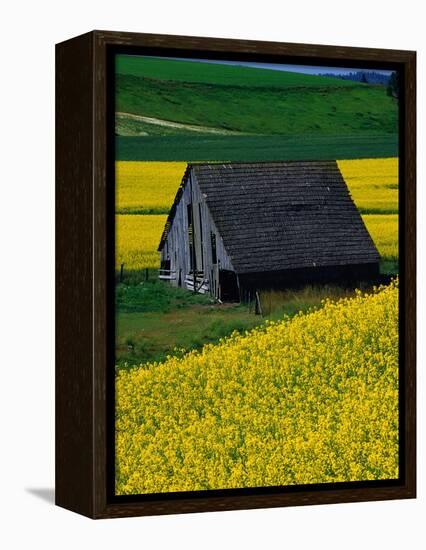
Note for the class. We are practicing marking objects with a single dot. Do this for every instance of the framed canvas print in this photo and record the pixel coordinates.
(235, 274)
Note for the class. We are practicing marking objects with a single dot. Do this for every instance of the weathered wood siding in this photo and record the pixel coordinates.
(177, 247)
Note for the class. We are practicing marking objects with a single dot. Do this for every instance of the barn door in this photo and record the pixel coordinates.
(229, 291)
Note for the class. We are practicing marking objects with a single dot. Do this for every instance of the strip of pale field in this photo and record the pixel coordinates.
(150, 187)
(176, 125)
(313, 399)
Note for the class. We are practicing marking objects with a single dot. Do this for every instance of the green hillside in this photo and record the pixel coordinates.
(218, 74)
(332, 110)
(187, 102)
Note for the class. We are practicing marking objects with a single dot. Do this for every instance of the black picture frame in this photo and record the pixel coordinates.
(85, 274)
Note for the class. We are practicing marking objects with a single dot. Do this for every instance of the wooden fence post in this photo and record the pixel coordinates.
(258, 310)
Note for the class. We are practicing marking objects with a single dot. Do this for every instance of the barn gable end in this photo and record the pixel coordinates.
(187, 241)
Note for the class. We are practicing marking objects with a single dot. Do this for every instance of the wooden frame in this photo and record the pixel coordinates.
(82, 279)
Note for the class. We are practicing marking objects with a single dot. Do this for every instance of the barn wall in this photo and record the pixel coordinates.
(293, 278)
(176, 247)
(177, 250)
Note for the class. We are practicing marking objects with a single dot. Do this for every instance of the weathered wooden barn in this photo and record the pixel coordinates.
(239, 227)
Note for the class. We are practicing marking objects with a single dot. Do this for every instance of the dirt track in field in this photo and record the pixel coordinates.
(180, 125)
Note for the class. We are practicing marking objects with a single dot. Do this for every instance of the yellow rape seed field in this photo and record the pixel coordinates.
(313, 399)
(373, 184)
(384, 232)
(137, 239)
(150, 187)
(144, 187)
(147, 187)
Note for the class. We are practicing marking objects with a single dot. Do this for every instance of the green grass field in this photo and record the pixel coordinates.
(155, 320)
(254, 148)
(311, 110)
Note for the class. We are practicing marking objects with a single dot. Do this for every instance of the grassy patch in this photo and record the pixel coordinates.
(389, 267)
(147, 337)
(155, 320)
(278, 303)
(155, 295)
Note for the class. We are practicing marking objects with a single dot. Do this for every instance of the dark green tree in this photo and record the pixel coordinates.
(393, 85)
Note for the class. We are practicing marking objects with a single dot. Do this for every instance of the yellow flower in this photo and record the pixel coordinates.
(311, 399)
(145, 186)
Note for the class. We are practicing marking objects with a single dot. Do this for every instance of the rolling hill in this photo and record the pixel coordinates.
(189, 100)
(178, 70)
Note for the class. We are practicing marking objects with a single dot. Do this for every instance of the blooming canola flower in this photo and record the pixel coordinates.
(311, 399)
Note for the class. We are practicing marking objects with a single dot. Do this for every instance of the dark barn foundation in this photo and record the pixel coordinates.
(340, 275)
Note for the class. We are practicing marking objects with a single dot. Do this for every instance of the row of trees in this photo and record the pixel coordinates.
(391, 82)
(368, 77)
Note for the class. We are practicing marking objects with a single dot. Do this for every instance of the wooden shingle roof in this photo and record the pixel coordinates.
(284, 215)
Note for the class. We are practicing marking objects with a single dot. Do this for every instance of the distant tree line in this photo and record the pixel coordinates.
(368, 77)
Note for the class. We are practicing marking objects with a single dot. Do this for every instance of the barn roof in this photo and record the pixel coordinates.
(283, 215)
